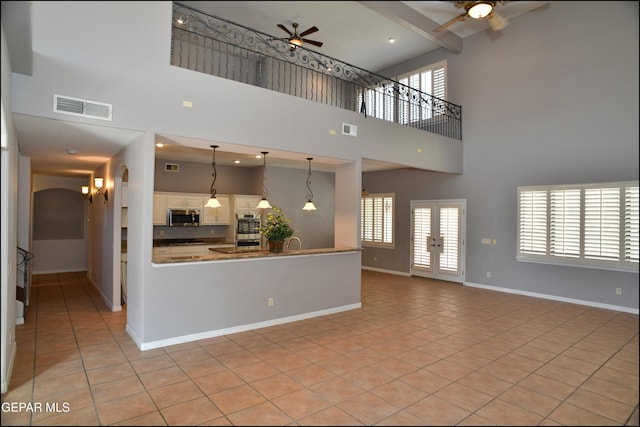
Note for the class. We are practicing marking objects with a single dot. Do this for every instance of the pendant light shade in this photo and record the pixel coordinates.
(213, 201)
(264, 203)
(309, 206)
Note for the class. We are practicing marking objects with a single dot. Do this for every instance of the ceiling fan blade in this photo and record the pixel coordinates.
(450, 22)
(313, 42)
(309, 31)
(282, 27)
(496, 21)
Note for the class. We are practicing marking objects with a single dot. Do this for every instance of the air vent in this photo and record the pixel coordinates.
(348, 129)
(171, 167)
(81, 107)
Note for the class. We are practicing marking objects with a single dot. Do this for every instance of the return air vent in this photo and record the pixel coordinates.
(171, 167)
(348, 129)
(81, 107)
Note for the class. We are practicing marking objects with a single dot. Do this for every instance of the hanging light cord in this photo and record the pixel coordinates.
(264, 174)
(214, 173)
(310, 193)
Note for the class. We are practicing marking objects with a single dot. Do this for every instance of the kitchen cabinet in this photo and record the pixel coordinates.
(194, 202)
(160, 209)
(246, 202)
(216, 216)
(176, 201)
(161, 252)
(164, 252)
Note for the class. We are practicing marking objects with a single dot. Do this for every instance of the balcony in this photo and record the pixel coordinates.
(215, 46)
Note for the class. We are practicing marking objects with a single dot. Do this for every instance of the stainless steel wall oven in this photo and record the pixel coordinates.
(248, 231)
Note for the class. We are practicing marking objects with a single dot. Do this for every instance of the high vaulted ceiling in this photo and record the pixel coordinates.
(356, 32)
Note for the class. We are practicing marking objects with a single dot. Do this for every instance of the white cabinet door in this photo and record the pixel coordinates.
(194, 202)
(162, 252)
(189, 250)
(176, 201)
(159, 209)
(246, 202)
(217, 216)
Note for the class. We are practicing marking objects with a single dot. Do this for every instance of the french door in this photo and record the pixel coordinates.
(438, 239)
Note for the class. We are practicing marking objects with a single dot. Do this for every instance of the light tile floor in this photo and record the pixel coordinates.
(418, 352)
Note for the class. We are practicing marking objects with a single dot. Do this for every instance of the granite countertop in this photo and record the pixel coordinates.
(216, 255)
(191, 241)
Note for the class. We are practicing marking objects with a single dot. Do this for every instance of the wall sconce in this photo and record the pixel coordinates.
(99, 184)
(309, 206)
(85, 193)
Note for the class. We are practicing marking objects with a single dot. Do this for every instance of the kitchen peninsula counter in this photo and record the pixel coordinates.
(217, 254)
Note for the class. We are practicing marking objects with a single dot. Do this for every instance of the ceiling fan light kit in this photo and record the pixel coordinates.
(296, 40)
(478, 10)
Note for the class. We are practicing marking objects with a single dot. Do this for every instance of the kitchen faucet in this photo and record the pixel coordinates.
(294, 238)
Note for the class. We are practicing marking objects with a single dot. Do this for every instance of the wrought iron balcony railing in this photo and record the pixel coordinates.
(215, 46)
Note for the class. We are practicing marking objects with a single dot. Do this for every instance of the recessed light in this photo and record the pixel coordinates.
(392, 40)
(159, 144)
(236, 161)
(71, 151)
(258, 156)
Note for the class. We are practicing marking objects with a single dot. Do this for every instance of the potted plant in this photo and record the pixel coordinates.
(276, 229)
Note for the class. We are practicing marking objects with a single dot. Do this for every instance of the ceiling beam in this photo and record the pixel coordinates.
(413, 20)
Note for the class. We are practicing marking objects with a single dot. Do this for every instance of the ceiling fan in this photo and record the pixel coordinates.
(478, 10)
(296, 39)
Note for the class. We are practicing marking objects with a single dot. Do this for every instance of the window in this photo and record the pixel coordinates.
(590, 225)
(376, 219)
(431, 80)
(407, 103)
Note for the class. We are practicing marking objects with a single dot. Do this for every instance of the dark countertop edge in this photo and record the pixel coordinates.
(261, 254)
(157, 243)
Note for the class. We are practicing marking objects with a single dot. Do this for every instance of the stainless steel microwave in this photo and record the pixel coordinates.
(183, 217)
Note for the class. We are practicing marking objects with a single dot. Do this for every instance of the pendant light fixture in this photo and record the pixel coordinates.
(213, 201)
(309, 206)
(264, 203)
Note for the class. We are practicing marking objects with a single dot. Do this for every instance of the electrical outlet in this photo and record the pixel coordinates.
(618, 291)
(162, 232)
(375, 259)
(212, 231)
(270, 302)
(488, 274)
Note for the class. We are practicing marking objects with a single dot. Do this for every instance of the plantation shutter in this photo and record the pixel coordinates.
(449, 235)
(421, 237)
(602, 223)
(631, 224)
(564, 225)
(533, 222)
(376, 215)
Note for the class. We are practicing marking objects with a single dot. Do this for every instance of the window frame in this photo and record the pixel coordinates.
(364, 223)
(382, 107)
(540, 225)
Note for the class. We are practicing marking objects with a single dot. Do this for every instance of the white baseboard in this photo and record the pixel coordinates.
(102, 295)
(382, 270)
(235, 329)
(64, 270)
(554, 298)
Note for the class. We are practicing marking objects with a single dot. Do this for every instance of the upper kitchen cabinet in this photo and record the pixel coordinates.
(160, 209)
(216, 216)
(246, 202)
